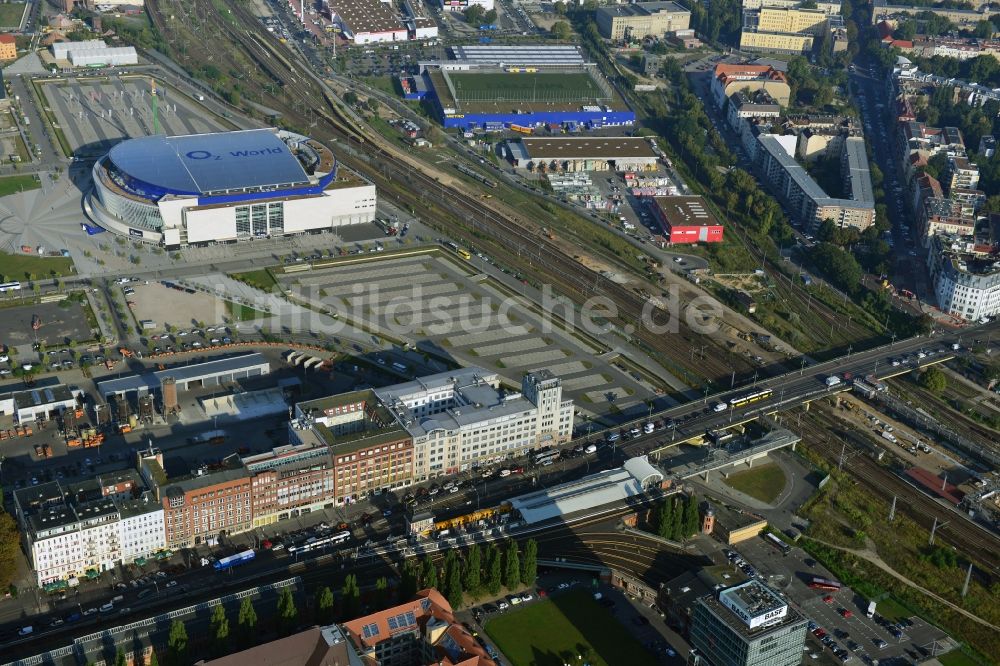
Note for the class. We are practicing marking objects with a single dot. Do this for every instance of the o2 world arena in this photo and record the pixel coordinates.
(230, 186)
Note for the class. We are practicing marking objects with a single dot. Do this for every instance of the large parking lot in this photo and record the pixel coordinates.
(431, 298)
(95, 113)
(839, 617)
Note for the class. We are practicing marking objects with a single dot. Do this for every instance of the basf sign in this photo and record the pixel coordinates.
(770, 616)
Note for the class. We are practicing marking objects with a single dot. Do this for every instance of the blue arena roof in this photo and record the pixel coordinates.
(209, 163)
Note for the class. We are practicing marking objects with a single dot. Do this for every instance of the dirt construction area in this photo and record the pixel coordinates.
(58, 323)
(166, 306)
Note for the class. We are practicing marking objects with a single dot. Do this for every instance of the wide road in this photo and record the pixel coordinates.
(591, 539)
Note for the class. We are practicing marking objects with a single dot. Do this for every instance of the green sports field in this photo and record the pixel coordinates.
(556, 631)
(523, 86)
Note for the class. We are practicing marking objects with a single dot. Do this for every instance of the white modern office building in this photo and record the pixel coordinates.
(464, 418)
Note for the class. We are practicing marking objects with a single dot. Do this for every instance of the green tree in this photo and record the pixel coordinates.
(677, 525)
(381, 592)
(512, 566)
(453, 574)
(219, 630)
(934, 380)
(409, 580)
(288, 613)
(177, 644)
(324, 605)
(692, 520)
(561, 30)
(350, 595)
(450, 560)
(493, 575)
(10, 548)
(490, 17)
(473, 568)
(153, 661)
(665, 518)
(350, 98)
(429, 574)
(474, 15)
(529, 563)
(120, 659)
(247, 621)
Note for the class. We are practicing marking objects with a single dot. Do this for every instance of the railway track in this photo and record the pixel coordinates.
(827, 436)
(485, 225)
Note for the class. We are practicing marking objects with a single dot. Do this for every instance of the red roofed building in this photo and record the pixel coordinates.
(420, 632)
(8, 47)
(729, 79)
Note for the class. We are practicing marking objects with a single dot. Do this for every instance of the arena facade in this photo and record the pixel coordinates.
(227, 186)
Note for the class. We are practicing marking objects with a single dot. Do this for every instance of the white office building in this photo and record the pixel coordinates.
(464, 418)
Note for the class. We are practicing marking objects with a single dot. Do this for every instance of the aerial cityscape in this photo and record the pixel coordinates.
(499, 333)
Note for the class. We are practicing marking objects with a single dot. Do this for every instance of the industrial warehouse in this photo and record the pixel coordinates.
(494, 88)
(583, 154)
(687, 219)
(210, 373)
(204, 188)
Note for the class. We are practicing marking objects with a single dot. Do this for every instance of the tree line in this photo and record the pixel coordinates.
(477, 572)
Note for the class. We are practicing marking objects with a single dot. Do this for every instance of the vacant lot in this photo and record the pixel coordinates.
(12, 184)
(20, 267)
(763, 483)
(10, 15)
(554, 632)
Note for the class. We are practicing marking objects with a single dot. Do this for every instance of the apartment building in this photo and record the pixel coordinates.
(8, 47)
(828, 7)
(752, 105)
(631, 22)
(883, 11)
(916, 136)
(141, 527)
(464, 418)
(422, 632)
(785, 29)
(72, 532)
(804, 198)
(962, 174)
(200, 507)
(728, 79)
(370, 451)
(289, 481)
(67, 540)
(941, 215)
(966, 274)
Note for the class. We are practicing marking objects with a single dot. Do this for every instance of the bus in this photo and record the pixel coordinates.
(451, 246)
(315, 543)
(465, 254)
(751, 397)
(227, 563)
(777, 543)
(10, 286)
(824, 584)
(545, 456)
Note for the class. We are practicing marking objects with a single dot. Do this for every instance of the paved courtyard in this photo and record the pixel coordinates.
(430, 299)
